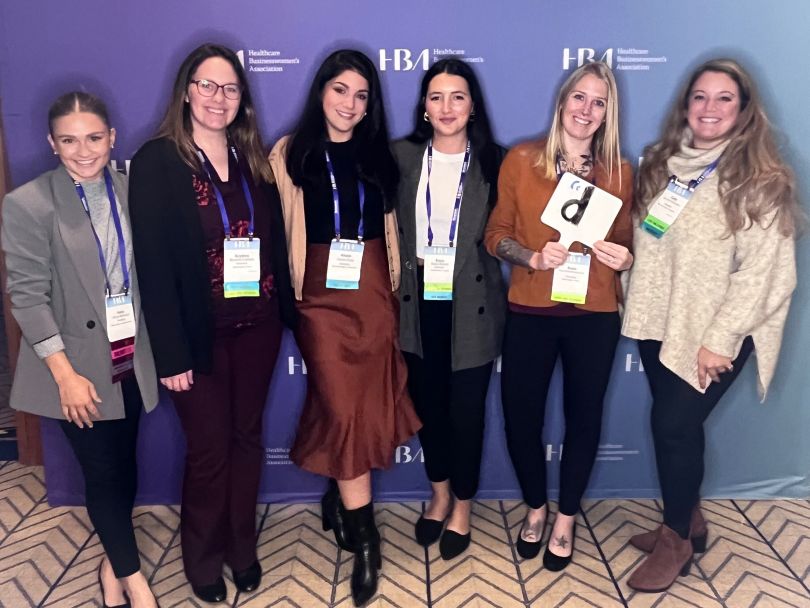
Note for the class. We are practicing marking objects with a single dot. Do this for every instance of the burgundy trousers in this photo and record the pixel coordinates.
(222, 419)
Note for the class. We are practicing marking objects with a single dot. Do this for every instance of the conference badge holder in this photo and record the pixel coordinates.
(672, 201)
(667, 207)
(570, 282)
(345, 261)
(121, 334)
(439, 264)
(242, 267)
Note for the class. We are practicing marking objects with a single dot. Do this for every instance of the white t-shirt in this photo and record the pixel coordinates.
(444, 177)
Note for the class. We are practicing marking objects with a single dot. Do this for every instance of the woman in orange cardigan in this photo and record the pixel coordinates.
(584, 140)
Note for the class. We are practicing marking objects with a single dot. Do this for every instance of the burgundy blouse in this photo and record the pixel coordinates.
(235, 312)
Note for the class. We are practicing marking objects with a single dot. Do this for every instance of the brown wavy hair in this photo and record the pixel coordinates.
(243, 131)
(754, 181)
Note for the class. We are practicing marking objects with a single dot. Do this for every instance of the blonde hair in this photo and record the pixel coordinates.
(754, 181)
(607, 150)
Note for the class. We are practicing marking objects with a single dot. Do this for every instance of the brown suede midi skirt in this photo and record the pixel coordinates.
(357, 408)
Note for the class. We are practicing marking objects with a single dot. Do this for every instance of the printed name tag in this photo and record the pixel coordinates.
(439, 264)
(570, 282)
(666, 208)
(343, 268)
(121, 334)
(242, 267)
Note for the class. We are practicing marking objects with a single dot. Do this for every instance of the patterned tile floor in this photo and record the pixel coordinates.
(758, 556)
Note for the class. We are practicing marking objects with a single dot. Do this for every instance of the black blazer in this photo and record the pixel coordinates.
(170, 255)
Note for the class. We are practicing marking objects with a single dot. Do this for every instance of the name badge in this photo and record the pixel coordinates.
(570, 282)
(121, 330)
(666, 208)
(439, 264)
(345, 260)
(242, 268)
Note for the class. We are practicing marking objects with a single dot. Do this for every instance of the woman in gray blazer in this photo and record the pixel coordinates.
(85, 358)
(452, 295)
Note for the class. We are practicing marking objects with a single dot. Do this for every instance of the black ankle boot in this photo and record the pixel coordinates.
(365, 538)
(333, 515)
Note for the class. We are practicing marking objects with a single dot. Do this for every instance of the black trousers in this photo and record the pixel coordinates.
(586, 345)
(451, 404)
(106, 455)
(678, 413)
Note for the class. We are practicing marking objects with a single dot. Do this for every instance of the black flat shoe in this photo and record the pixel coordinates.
(554, 562)
(248, 580)
(333, 516)
(428, 531)
(126, 604)
(453, 544)
(526, 549)
(213, 593)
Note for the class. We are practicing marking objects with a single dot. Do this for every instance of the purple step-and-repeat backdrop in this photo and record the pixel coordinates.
(522, 50)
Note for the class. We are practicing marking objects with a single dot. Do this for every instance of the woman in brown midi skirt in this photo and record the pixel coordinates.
(337, 178)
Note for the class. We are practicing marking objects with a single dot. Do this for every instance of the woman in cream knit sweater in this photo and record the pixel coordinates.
(712, 281)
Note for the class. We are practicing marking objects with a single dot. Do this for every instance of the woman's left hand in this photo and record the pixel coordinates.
(613, 255)
(712, 365)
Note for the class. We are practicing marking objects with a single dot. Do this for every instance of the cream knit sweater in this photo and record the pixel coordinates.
(697, 286)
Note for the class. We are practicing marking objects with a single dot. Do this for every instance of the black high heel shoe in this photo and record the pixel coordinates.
(214, 593)
(333, 516)
(554, 562)
(101, 586)
(248, 580)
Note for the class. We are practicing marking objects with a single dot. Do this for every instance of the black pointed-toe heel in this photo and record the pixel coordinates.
(453, 544)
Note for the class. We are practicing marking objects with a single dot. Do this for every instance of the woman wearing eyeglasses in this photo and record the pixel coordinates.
(209, 240)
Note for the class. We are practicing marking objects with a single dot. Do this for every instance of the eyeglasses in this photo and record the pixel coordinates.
(209, 88)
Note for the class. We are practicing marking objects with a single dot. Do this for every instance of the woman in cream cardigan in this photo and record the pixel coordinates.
(713, 278)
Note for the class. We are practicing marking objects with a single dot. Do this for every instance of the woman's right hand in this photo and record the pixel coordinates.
(78, 398)
(180, 382)
(552, 256)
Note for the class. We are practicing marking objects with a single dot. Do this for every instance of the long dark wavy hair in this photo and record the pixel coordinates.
(243, 131)
(479, 131)
(754, 180)
(375, 163)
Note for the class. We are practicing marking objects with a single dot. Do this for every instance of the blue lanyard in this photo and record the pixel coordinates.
(694, 183)
(336, 200)
(209, 170)
(122, 248)
(459, 193)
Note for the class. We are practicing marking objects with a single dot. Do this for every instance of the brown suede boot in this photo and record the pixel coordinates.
(698, 533)
(671, 557)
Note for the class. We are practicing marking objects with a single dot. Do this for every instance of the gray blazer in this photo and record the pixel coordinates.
(56, 285)
(479, 291)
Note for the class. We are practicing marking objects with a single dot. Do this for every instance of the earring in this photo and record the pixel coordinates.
(426, 117)
(112, 146)
(55, 153)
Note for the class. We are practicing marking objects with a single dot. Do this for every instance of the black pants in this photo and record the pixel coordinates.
(451, 404)
(106, 454)
(586, 344)
(678, 414)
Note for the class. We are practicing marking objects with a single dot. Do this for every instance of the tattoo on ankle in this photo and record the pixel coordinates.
(561, 541)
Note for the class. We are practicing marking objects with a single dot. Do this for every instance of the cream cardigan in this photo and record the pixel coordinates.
(698, 286)
(292, 206)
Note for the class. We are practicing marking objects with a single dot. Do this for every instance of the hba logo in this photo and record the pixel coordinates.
(292, 365)
(241, 55)
(404, 455)
(582, 56)
(404, 60)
